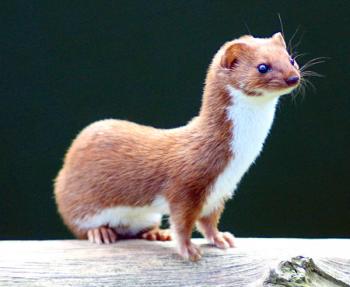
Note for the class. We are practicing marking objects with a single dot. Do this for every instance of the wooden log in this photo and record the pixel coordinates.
(254, 262)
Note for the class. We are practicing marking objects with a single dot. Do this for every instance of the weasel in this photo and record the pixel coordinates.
(119, 178)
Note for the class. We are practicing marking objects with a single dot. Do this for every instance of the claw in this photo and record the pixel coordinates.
(157, 234)
(223, 240)
(190, 252)
(102, 235)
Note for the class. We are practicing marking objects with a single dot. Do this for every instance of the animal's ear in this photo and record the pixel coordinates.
(279, 39)
(232, 54)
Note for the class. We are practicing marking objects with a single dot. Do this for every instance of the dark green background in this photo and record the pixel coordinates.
(65, 64)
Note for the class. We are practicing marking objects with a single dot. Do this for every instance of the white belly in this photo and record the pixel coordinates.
(126, 219)
(251, 121)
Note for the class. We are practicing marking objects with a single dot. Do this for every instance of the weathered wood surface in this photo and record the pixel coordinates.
(143, 263)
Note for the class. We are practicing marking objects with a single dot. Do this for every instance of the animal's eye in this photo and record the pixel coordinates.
(263, 68)
(291, 60)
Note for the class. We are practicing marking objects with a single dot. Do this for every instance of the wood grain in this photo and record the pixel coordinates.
(143, 263)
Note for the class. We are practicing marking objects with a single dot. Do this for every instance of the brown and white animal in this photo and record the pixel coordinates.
(119, 178)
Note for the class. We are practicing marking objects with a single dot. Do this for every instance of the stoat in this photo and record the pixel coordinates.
(119, 178)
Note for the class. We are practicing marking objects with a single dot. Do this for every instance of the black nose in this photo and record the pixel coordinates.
(292, 80)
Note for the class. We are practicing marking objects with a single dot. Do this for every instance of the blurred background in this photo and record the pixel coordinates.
(65, 64)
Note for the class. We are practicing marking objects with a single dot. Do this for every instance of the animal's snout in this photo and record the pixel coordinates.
(292, 80)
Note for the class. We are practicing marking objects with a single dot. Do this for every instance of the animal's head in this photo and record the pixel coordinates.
(257, 66)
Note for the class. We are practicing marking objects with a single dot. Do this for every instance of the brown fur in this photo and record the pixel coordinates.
(120, 163)
(113, 163)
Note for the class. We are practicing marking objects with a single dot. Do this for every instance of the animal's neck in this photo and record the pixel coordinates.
(251, 120)
(206, 139)
(228, 117)
(213, 113)
(222, 106)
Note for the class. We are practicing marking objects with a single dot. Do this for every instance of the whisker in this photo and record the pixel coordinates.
(308, 65)
(299, 42)
(299, 91)
(291, 40)
(311, 74)
(281, 23)
(307, 83)
(318, 59)
(246, 25)
(313, 62)
(296, 55)
(302, 91)
(295, 94)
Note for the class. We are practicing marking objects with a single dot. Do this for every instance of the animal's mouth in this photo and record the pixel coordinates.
(285, 87)
(287, 90)
(276, 88)
(276, 91)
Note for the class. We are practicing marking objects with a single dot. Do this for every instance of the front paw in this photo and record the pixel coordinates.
(190, 251)
(223, 240)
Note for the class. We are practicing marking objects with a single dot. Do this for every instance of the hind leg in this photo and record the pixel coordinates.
(157, 234)
(102, 235)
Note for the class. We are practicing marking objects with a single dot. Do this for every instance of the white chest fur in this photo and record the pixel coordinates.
(252, 119)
